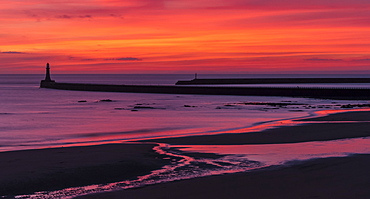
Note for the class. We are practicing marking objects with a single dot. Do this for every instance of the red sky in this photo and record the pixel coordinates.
(185, 36)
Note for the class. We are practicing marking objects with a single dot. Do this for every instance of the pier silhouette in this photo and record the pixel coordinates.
(307, 92)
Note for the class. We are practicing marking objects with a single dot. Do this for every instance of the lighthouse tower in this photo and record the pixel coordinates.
(47, 81)
(47, 77)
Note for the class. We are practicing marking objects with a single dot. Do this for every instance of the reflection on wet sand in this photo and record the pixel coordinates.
(275, 154)
(197, 160)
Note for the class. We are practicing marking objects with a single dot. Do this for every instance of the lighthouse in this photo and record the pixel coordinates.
(47, 77)
(47, 81)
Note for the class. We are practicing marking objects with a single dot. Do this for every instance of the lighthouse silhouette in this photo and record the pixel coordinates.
(47, 76)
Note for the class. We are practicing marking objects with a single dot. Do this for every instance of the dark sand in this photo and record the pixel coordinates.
(346, 116)
(50, 169)
(290, 134)
(337, 178)
(56, 168)
(331, 178)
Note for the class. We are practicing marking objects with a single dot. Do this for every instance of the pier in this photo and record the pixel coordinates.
(196, 81)
(307, 92)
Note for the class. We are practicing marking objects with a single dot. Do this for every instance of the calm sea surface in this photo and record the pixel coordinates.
(33, 117)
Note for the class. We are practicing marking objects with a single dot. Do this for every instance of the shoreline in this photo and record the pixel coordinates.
(322, 178)
(114, 162)
(28, 171)
(287, 134)
(340, 178)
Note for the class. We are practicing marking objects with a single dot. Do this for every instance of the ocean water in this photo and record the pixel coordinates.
(33, 117)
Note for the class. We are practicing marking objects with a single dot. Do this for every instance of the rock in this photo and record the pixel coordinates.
(143, 107)
(106, 100)
(189, 106)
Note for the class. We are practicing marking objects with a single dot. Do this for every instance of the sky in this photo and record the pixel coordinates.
(185, 36)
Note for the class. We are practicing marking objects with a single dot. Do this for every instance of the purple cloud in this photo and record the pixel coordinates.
(362, 60)
(125, 59)
(71, 17)
(13, 52)
(320, 59)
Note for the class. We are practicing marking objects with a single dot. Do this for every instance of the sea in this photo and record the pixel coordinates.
(35, 118)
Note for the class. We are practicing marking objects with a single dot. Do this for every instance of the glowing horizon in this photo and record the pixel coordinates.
(176, 36)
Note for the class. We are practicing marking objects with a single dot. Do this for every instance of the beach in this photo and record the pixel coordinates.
(176, 99)
(28, 171)
(323, 178)
(341, 177)
(293, 134)
(336, 177)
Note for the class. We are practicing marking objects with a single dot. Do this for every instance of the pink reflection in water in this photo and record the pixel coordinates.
(147, 134)
(273, 154)
(322, 113)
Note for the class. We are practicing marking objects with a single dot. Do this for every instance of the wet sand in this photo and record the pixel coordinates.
(290, 134)
(24, 172)
(340, 178)
(50, 169)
